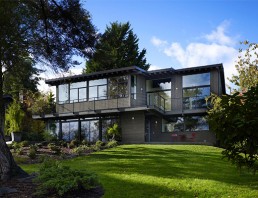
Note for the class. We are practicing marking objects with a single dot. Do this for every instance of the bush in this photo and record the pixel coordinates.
(15, 146)
(59, 180)
(74, 143)
(98, 145)
(112, 143)
(34, 146)
(49, 136)
(54, 147)
(81, 149)
(32, 153)
(85, 142)
(19, 151)
(25, 143)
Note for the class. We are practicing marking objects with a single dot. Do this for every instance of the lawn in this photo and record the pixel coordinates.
(165, 171)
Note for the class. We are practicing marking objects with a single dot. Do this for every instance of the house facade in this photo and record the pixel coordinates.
(166, 105)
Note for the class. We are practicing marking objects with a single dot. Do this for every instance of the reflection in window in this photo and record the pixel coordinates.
(196, 88)
(98, 89)
(78, 92)
(63, 94)
(70, 130)
(187, 123)
(118, 87)
(195, 80)
(133, 87)
(156, 85)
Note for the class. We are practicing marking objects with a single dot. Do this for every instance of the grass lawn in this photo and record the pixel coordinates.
(165, 171)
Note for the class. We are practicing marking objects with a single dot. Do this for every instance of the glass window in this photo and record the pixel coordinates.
(196, 123)
(78, 91)
(194, 98)
(175, 124)
(196, 80)
(93, 93)
(98, 89)
(73, 95)
(102, 92)
(63, 93)
(78, 85)
(118, 87)
(133, 87)
(98, 82)
(160, 84)
(82, 94)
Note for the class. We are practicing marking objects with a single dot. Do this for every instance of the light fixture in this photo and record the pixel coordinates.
(132, 118)
(156, 122)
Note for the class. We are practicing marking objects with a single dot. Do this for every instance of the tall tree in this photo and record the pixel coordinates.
(49, 31)
(117, 47)
(246, 66)
(23, 76)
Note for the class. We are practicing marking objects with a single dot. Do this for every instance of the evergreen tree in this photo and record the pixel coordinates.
(117, 48)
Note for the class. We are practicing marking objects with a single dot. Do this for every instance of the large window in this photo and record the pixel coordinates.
(63, 94)
(98, 89)
(78, 92)
(159, 93)
(196, 88)
(118, 87)
(187, 123)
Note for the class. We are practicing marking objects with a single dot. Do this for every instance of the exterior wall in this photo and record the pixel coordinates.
(133, 130)
(176, 93)
(215, 82)
(140, 92)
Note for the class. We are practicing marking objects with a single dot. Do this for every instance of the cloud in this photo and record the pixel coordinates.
(158, 42)
(216, 47)
(154, 67)
(219, 36)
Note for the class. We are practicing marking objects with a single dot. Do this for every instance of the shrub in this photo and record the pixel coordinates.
(25, 143)
(98, 145)
(16, 146)
(49, 136)
(54, 147)
(34, 146)
(112, 143)
(19, 151)
(74, 143)
(32, 153)
(85, 142)
(59, 180)
(81, 149)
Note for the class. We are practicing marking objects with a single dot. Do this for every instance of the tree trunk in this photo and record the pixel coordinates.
(8, 167)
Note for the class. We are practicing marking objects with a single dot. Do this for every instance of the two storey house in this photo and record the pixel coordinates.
(166, 105)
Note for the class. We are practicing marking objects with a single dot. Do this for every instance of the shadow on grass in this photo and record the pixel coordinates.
(170, 162)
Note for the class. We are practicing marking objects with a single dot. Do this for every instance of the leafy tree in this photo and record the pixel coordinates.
(247, 67)
(114, 131)
(234, 119)
(23, 76)
(117, 48)
(52, 32)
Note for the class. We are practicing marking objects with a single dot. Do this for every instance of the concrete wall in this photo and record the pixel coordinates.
(133, 130)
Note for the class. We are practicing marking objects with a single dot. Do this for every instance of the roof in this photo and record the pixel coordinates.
(154, 74)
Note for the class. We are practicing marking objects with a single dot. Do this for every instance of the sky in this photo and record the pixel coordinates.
(180, 33)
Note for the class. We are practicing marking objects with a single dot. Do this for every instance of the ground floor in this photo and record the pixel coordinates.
(137, 127)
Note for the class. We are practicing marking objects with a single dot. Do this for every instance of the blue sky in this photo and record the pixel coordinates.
(182, 33)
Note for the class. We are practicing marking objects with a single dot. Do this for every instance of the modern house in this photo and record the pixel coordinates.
(166, 105)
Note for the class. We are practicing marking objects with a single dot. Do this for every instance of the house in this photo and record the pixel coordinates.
(166, 105)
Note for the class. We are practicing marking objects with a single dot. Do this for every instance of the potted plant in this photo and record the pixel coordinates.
(13, 120)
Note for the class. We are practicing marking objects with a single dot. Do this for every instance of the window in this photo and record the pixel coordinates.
(98, 89)
(118, 87)
(63, 94)
(78, 92)
(159, 93)
(133, 87)
(185, 124)
(196, 88)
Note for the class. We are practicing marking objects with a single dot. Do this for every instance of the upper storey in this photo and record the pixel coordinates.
(168, 91)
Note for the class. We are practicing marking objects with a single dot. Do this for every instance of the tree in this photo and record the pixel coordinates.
(117, 48)
(23, 76)
(52, 32)
(247, 67)
(234, 119)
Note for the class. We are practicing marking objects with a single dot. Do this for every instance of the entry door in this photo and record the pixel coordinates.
(147, 130)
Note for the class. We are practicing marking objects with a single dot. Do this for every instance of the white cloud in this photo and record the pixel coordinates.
(219, 36)
(216, 47)
(158, 42)
(154, 67)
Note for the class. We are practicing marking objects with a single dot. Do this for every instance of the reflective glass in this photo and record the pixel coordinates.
(77, 85)
(98, 82)
(63, 93)
(93, 93)
(196, 80)
(102, 92)
(73, 95)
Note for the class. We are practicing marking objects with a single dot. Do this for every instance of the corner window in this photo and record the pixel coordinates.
(118, 87)
(63, 94)
(98, 89)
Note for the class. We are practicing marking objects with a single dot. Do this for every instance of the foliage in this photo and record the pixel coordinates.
(25, 143)
(114, 131)
(49, 136)
(14, 117)
(111, 144)
(54, 147)
(22, 76)
(247, 67)
(74, 143)
(117, 48)
(81, 149)
(59, 180)
(234, 119)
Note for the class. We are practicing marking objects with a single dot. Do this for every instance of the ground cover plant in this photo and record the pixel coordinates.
(165, 171)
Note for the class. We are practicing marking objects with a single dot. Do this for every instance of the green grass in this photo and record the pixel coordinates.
(165, 171)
